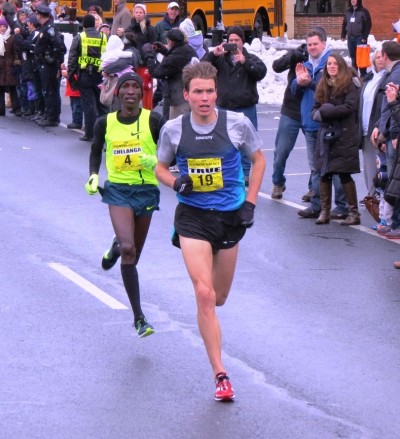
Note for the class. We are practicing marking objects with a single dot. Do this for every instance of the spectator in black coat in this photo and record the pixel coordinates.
(176, 57)
(356, 25)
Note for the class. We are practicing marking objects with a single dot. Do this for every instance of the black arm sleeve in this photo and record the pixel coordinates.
(100, 128)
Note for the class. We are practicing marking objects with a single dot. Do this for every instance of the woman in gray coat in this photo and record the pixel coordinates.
(337, 100)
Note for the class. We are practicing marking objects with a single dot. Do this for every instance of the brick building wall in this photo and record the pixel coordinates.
(383, 14)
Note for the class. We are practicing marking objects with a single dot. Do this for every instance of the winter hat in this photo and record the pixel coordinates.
(104, 25)
(88, 21)
(176, 35)
(140, 5)
(3, 22)
(33, 19)
(131, 76)
(237, 31)
(187, 27)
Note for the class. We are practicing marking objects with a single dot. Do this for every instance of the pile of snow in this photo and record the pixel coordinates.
(272, 88)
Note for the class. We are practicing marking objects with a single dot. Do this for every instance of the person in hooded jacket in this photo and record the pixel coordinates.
(356, 26)
(194, 38)
(336, 108)
(176, 57)
(135, 36)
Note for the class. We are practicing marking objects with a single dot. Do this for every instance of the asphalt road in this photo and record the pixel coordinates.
(310, 330)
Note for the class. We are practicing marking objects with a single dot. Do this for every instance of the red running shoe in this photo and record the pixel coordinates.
(224, 391)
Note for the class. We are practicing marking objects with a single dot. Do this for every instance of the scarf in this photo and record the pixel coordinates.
(3, 39)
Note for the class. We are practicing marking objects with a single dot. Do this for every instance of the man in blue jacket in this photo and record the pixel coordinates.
(303, 87)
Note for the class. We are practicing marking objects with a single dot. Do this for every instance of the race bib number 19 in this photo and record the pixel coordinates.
(206, 174)
(126, 155)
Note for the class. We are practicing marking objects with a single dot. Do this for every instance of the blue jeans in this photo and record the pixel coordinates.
(340, 198)
(251, 113)
(285, 139)
(76, 110)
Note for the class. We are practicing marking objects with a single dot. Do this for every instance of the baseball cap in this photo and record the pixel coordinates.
(173, 5)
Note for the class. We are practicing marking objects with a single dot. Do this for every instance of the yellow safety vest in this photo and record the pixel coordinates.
(91, 50)
(124, 144)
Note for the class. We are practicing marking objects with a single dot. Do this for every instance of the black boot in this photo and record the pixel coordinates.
(325, 188)
(353, 218)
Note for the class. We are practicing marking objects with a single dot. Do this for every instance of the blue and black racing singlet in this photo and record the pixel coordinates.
(214, 164)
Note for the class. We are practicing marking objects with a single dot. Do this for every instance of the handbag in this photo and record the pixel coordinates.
(362, 56)
(371, 203)
(107, 92)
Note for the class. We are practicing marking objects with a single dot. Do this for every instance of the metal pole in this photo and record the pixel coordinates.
(218, 29)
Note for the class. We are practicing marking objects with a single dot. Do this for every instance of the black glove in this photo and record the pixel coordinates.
(183, 185)
(49, 60)
(160, 48)
(300, 55)
(246, 214)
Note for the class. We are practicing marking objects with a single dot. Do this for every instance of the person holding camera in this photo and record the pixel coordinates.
(238, 74)
(337, 100)
(49, 53)
(84, 61)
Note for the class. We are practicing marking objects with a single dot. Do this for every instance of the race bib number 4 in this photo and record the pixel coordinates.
(126, 155)
(206, 174)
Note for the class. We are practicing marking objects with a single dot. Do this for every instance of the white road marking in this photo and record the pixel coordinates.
(302, 207)
(87, 286)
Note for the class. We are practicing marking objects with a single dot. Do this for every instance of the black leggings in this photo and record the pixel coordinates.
(344, 178)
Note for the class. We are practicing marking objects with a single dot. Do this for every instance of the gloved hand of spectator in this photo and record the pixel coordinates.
(183, 185)
(92, 185)
(148, 161)
(246, 214)
(300, 54)
(160, 47)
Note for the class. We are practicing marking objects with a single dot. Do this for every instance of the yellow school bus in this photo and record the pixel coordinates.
(254, 16)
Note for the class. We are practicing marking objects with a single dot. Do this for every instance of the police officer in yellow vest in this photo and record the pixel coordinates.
(84, 63)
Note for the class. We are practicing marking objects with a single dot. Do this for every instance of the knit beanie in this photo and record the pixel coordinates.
(187, 27)
(88, 21)
(140, 5)
(3, 22)
(130, 76)
(237, 31)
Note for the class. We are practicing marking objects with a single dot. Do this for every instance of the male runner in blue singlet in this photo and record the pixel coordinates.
(214, 210)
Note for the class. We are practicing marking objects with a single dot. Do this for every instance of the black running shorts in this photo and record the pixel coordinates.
(220, 229)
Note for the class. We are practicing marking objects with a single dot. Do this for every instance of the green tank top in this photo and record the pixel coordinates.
(124, 144)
